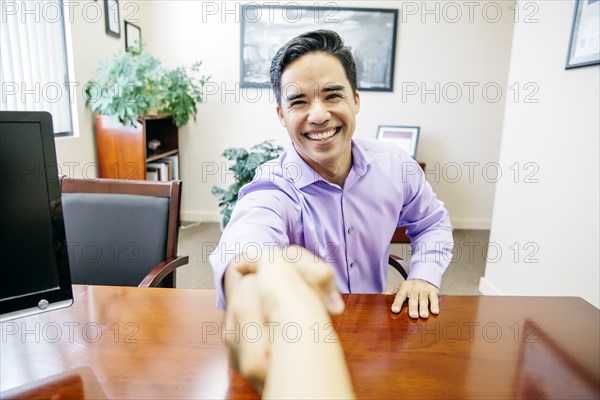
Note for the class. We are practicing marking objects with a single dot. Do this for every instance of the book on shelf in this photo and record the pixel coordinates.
(160, 168)
(164, 169)
(174, 160)
(151, 174)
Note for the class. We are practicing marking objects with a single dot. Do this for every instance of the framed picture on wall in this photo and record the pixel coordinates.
(133, 37)
(405, 137)
(112, 18)
(370, 33)
(584, 44)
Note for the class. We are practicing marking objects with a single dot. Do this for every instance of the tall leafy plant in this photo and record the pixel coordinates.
(180, 93)
(244, 168)
(125, 87)
(135, 84)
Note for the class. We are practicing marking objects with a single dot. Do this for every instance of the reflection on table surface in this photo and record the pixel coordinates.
(168, 343)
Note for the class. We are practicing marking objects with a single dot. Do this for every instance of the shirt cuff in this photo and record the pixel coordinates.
(426, 272)
(219, 265)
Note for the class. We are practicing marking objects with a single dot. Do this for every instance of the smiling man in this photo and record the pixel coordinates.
(337, 197)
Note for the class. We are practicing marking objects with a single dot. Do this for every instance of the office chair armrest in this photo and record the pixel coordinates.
(163, 269)
(394, 261)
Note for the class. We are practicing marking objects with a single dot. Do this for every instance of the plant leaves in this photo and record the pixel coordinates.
(243, 168)
(134, 83)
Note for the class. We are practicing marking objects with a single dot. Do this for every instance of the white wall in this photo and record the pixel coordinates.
(472, 51)
(557, 218)
(554, 221)
(89, 44)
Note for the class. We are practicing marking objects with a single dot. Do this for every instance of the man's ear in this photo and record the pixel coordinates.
(280, 115)
(357, 101)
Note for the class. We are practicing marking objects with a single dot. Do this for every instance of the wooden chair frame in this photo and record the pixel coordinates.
(171, 190)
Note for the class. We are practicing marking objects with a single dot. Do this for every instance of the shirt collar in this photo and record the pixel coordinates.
(300, 174)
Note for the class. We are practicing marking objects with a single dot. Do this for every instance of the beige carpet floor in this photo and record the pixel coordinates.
(461, 278)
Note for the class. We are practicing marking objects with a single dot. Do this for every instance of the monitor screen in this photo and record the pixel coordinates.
(34, 270)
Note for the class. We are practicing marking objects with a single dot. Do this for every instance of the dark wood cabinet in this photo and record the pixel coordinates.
(124, 152)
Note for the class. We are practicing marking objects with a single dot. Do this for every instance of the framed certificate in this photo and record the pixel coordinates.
(584, 45)
(111, 18)
(133, 37)
(405, 137)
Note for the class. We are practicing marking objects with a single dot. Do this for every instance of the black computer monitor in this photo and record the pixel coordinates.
(34, 263)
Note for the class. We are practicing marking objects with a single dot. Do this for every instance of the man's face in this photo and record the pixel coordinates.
(318, 108)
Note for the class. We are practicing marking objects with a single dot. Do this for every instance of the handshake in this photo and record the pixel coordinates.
(280, 293)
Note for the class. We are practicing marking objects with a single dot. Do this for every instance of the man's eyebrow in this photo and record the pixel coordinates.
(295, 96)
(330, 88)
(333, 88)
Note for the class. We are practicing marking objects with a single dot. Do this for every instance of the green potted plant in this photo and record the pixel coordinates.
(243, 167)
(134, 84)
(180, 93)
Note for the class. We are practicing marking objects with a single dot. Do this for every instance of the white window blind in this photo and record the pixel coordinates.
(33, 60)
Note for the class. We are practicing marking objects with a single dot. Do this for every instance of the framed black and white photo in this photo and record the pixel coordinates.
(369, 32)
(112, 18)
(133, 37)
(405, 137)
(584, 44)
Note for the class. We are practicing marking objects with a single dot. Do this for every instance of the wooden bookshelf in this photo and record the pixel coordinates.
(124, 152)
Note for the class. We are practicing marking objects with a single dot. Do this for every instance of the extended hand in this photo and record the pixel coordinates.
(275, 290)
(421, 296)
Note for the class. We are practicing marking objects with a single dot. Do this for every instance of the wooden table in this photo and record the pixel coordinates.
(166, 343)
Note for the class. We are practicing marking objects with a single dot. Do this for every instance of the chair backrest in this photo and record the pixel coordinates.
(118, 231)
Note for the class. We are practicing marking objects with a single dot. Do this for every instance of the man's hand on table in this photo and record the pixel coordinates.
(421, 295)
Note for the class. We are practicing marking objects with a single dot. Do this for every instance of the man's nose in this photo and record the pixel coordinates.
(318, 113)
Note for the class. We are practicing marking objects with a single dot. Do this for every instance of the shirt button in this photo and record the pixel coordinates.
(352, 265)
(349, 230)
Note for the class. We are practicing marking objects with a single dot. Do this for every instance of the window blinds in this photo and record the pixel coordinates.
(33, 60)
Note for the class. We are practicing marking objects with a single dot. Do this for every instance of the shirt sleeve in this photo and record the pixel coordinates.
(258, 225)
(428, 227)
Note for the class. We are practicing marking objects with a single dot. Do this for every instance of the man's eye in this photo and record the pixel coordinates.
(295, 103)
(334, 96)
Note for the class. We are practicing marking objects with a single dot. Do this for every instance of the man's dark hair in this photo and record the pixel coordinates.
(316, 41)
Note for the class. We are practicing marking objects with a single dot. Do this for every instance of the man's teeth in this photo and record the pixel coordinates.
(322, 135)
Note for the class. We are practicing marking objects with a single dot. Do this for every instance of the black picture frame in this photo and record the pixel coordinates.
(133, 37)
(369, 32)
(112, 18)
(584, 48)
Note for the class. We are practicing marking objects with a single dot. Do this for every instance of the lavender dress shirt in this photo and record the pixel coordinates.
(351, 227)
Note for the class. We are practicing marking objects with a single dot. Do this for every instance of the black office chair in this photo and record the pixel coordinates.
(122, 233)
(399, 263)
